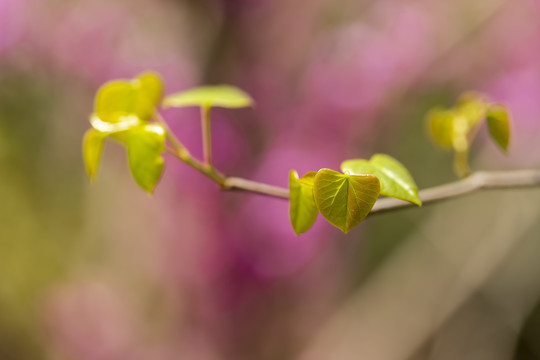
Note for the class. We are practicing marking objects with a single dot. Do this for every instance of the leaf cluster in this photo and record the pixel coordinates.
(127, 111)
(345, 199)
(456, 127)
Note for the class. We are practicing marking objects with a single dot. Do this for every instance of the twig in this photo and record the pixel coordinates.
(180, 150)
(481, 180)
(240, 184)
(206, 135)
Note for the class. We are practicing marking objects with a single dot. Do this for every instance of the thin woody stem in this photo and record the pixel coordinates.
(206, 135)
(179, 151)
(240, 184)
(210, 173)
(481, 180)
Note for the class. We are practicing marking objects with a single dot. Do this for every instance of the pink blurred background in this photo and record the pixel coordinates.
(104, 272)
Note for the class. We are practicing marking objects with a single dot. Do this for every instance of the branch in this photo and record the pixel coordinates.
(239, 184)
(481, 180)
(206, 135)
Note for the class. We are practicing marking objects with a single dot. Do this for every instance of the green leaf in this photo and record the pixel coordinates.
(145, 145)
(148, 89)
(303, 211)
(114, 100)
(208, 96)
(472, 107)
(441, 126)
(498, 120)
(456, 127)
(92, 150)
(120, 98)
(150, 86)
(345, 200)
(396, 181)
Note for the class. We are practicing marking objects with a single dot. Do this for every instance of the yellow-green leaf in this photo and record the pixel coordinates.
(456, 127)
(149, 89)
(145, 144)
(208, 96)
(150, 84)
(499, 125)
(92, 149)
(120, 98)
(113, 100)
(472, 107)
(396, 181)
(303, 211)
(343, 199)
(441, 126)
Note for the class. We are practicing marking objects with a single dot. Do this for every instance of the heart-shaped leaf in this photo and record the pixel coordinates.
(498, 120)
(145, 145)
(150, 88)
(303, 210)
(343, 199)
(92, 149)
(396, 181)
(113, 100)
(120, 98)
(208, 96)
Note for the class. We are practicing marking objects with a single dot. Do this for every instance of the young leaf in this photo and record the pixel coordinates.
(441, 126)
(92, 149)
(499, 125)
(455, 127)
(144, 147)
(120, 98)
(149, 89)
(150, 86)
(471, 107)
(396, 181)
(208, 96)
(303, 211)
(113, 100)
(345, 200)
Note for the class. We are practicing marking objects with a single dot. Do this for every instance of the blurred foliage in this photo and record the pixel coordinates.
(457, 127)
(41, 211)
